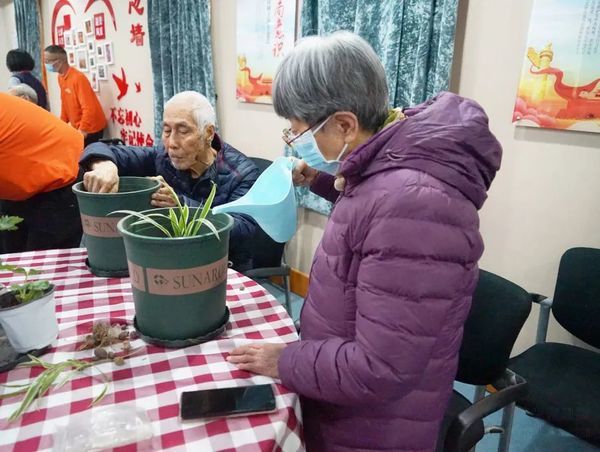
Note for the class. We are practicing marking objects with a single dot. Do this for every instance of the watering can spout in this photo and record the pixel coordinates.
(271, 201)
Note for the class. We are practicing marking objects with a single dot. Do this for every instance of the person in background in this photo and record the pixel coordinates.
(80, 106)
(24, 92)
(20, 64)
(39, 157)
(392, 279)
(190, 158)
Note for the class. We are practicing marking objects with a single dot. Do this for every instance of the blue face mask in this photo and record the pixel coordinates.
(50, 67)
(306, 146)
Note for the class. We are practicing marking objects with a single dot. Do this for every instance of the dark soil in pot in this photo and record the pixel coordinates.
(8, 300)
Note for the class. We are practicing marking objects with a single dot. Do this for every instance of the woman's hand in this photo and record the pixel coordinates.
(103, 178)
(302, 174)
(260, 359)
(163, 197)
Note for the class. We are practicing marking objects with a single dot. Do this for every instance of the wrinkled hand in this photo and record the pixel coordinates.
(260, 359)
(163, 196)
(302, 174)
(103, 178)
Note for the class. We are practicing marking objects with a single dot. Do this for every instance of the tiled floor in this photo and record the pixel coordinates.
(529, 434)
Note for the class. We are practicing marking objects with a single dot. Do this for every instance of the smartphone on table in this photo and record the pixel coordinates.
(236, 401)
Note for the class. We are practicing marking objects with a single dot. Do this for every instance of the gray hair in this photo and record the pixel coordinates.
(324, 75)
(24, 91)
(202, 111)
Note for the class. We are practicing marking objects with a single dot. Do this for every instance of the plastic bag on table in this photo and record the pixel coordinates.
(104, 428)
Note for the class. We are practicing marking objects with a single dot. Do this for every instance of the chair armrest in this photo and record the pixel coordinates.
(544, 317)
(537, 297)
(513, 388)
(267, 272)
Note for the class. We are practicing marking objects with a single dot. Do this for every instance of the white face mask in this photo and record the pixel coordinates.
(306, 146)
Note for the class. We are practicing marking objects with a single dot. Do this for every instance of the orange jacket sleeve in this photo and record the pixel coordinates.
(90, 107)
(63, 110)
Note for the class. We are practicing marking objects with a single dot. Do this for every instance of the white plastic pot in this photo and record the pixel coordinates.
(31, 325)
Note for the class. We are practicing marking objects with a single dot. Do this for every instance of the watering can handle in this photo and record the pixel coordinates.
(292, 162)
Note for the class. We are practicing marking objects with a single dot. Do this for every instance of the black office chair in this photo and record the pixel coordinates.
(564, 380)
(498, 312)
(267, 254)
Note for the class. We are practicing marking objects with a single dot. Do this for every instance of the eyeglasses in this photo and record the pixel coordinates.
(288, 136)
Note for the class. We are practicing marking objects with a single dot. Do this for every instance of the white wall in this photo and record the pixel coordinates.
(8, 38)
(253, 128)
(546, 197)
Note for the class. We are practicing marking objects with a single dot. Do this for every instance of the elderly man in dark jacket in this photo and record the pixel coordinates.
(190, 157)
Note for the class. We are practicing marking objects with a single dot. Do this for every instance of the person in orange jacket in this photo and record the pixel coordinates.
(39, 161)
(80, 105)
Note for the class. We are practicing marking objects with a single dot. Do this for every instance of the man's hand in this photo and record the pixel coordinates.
(103, 178)
(259, 359)
(302, 174)
(163, 197)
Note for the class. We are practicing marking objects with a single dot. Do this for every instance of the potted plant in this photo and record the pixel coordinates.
(27, 309)
(178, 261)
(106, 253)
(8, 223)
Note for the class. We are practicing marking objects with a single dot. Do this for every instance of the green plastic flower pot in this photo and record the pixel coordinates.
(178, 284)
(106, 252)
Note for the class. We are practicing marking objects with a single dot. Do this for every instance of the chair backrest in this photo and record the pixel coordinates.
(576, 303)
(265, 251)
(498, 312)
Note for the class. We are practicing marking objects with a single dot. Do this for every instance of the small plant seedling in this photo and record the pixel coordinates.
(28, 290)
(181, 223)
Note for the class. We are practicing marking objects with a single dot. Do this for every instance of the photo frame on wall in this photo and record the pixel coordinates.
(92, 61)
(71, 57)
(91, 47)
(94, 81)
(82, 60)
(89, 27)
(80, 38)
(109, 55)
(68, 39)
(100, 50)
(102, 71)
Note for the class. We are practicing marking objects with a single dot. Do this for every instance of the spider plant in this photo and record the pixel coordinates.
(43, 382)
(181, 223)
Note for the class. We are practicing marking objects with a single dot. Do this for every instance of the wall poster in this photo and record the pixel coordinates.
(560, 81)
(265, 32)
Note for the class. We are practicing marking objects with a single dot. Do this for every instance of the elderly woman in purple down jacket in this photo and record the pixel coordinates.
(392, 279)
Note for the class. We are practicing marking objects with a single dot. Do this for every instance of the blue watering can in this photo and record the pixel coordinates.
(271, 201)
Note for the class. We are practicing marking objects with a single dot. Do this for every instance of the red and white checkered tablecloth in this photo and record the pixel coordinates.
(154, 379)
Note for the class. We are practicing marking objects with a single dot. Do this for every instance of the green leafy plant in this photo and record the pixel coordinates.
(8, 223)
(42, 383)
(28, 290)
(103, 335)
(180, 222)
